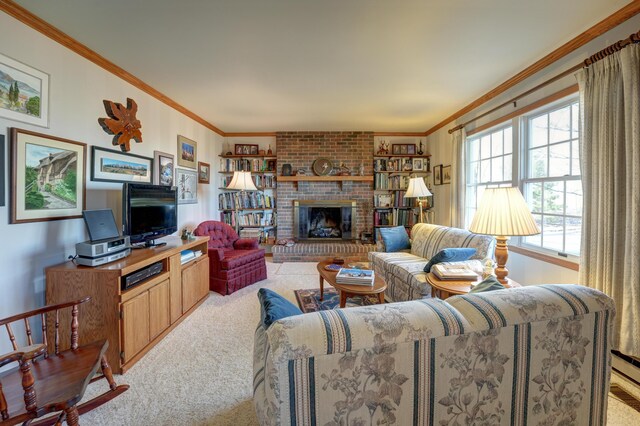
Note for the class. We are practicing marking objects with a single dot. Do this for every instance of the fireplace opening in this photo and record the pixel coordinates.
(327, 220)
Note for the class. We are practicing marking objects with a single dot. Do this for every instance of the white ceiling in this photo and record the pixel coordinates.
(258, 65)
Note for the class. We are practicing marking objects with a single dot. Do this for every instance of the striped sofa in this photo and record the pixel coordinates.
(531, 355)
(403, 272)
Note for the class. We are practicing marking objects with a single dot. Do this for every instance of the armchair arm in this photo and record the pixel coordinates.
(216, 254)
(26, 353)
(246, 244)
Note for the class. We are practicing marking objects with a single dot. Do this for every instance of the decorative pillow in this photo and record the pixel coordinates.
(274, 307)
(395, 239)
(489, 284)
(450, 255)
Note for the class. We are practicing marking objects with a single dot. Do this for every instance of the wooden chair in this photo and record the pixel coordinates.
(51, 382)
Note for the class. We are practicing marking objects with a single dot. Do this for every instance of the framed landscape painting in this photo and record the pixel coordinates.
(48, 177)
(204, 172)
(108, 165)
(187, 152)
(164, 166)
(187, 183)
(24, 93)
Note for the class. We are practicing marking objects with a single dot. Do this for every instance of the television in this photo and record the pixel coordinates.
(149, 212)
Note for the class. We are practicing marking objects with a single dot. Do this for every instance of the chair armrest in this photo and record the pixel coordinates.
(216, 254)
(26, 353)
(246, 244)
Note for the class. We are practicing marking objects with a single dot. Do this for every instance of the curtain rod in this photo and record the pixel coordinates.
(633, 38)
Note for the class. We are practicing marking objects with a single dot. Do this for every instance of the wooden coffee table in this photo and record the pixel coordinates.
(443, 289)
(345, 290)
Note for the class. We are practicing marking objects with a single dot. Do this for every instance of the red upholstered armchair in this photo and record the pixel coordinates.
(234, 263)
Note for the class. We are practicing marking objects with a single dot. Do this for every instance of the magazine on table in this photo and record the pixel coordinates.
(453, 273)
(355, 276)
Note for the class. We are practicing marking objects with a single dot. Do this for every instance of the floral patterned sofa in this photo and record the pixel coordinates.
(531, 355)
(403, 272)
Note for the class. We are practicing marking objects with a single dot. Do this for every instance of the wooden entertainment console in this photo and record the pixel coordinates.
(132, 320)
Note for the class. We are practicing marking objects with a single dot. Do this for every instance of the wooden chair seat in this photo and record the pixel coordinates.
(60, 380)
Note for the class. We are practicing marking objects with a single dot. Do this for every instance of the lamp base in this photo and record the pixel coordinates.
(502, 254)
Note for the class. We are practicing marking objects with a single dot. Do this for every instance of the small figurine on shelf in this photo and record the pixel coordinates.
(343, 170)
(269, 152)
(361, 169)
(420, 152)
(383, 149)
(187, 235)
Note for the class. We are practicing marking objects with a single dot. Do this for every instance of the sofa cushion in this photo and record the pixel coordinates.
(395, 239)
(274, 307)
(236, 258)
(455, 254)
(488, 284)
(428, 239)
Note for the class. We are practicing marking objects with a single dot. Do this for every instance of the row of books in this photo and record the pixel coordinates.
(261, 181)
(394, 217)
(249, 219)
(247, 165)
(245, 200)
(385, 181)
(189, 255)
(393, 200)
(264, 236)
(355, 276)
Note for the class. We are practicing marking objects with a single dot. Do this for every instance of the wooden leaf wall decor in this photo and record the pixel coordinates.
(122, 123)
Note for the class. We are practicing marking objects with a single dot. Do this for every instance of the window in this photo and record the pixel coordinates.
(552, 185)
(489, 163)
(539, 153)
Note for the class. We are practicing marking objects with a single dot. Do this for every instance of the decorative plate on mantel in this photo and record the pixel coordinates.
(322, 166)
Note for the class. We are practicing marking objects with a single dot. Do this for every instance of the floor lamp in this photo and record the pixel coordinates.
(241, 182)
(417, 189)
(503, 212)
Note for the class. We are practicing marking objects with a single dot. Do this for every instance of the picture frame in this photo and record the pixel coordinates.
(418, 165)
(164, 165)
(411, 149)
(187, 152)
(446, 174)
(271, 165)
(407, 166)
(108, 165)
(187, 184)
(48, 179)
(31, 103)
(246, 149)
(403, 149)
(204, 172)
(395, 149)
(437, 175)
(3, 170)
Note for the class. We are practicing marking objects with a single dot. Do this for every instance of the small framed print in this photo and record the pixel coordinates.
(164, 166)
(404, 149)
(437, 175)
(26, 93)
(108, 165)
(446, 174)
(411, 149)
(204, 172)
(187, 184)
(395, 149)
(418, 165)
(187, 152)
(246, 149)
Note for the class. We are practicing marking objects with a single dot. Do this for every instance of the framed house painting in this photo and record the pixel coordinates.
(187, 152)
(164, 165)
(25, 93)
(187, 183)
(108, 165)
(446, 174)
(47, 178)
(437, 175)
(204, 172)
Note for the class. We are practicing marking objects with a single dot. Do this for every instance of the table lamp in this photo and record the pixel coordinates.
(417, 189)
(503, 213)
(241, 181)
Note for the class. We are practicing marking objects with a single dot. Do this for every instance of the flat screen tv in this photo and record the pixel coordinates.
(149, 212)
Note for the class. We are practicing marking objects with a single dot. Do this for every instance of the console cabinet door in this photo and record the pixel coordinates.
(135, 325)
(195, 283)
(159, 312)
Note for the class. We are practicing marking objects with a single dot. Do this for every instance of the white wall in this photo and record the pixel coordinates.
(522, 268)
(77, 88)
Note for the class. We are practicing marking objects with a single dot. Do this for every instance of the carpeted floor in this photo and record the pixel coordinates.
(201, 373)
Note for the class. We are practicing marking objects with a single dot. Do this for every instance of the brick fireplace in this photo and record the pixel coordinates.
(328, 220)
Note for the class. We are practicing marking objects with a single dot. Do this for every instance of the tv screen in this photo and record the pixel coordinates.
(149, 211)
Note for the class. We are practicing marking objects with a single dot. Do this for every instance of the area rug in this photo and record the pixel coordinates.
(309, 300)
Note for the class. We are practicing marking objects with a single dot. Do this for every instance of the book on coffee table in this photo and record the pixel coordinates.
(355, 277)
(453, 273)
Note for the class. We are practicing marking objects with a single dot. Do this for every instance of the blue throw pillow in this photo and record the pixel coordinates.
(450, 255)
(395, 239)
(489, 284)
(274, 307)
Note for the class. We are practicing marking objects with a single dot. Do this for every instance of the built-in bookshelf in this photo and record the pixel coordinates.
(256, 210)
(391, 174)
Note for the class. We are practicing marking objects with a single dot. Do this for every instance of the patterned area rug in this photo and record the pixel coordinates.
(309, 300)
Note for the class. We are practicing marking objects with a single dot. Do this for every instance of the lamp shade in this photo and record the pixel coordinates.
(417, 188)
(242, 181)
(503, 212)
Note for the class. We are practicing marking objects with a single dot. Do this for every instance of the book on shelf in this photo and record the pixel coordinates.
(453, 273)
(355, 276)
(186, 256)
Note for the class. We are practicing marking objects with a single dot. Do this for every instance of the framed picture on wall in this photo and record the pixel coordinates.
(187, 152)
(437, 175)
(204, 172)
(164, 166)
(187, 183)
(108, 165)
(27, 93)
(446, 174)
(47, 177)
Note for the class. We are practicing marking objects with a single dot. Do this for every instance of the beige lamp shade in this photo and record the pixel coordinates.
(504, 212)
(417, 188)
(242, 181)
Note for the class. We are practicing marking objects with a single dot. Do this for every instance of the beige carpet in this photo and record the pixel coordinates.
(201, 373)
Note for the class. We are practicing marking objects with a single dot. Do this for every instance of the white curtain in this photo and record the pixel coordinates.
(610, 151)
(458, 179)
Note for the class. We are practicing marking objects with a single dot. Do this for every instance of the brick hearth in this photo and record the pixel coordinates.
(315, 252)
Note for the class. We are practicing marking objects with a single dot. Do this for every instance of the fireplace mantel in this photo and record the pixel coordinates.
(339, 179)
